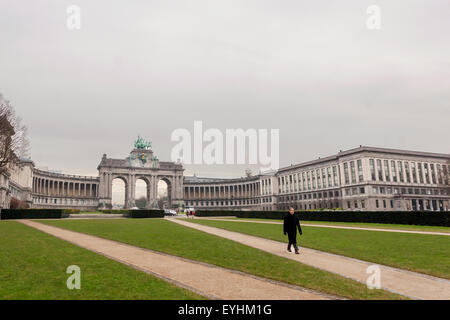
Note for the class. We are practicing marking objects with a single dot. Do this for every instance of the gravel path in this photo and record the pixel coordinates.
(334, 226)
(407, 283)
(207, 280)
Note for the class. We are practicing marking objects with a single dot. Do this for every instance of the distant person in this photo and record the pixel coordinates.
(187, 213)
(290, 225)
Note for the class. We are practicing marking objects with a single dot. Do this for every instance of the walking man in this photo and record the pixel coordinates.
(290, 225)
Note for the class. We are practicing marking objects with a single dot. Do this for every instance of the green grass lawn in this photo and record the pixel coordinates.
(33, 266)
(355, 224)
(428, 254)
(165, 236)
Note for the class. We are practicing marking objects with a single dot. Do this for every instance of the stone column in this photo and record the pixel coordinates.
(132, 188)
(109, 179)
(149, 195)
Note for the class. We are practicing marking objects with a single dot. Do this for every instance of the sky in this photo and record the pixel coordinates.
(312, 69)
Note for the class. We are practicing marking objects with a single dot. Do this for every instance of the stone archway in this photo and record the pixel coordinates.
(126, 189)
(168, 192)
(149, 189)
(141, 164)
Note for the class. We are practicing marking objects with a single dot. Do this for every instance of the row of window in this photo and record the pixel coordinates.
(306, 196)
(309, 206)
(266, 186)
(81, 202)
(198, 203)
(427, 204)
(427, 191)
(309, 180)
(407, 171)
(242, 191)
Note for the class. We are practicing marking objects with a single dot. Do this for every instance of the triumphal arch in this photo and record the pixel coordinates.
(141, 164)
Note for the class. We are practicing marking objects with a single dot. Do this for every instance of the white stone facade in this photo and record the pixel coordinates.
(364, 178)
(398, 180)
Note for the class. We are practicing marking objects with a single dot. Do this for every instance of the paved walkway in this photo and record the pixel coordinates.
(410, 284)
(334, 226)
(207, 280)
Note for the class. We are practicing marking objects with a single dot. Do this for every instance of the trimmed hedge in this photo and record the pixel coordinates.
(7, 214)
(216, 213)
(112, 211)
(439, 218)
(146, 213)
(71, 211)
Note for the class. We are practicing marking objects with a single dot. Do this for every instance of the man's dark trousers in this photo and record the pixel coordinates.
(292, 236)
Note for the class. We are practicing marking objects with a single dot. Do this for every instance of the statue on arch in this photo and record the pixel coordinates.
(142, 144)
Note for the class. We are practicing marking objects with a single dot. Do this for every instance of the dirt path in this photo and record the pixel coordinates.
(207, 280)
(334, 226)
(410, 284)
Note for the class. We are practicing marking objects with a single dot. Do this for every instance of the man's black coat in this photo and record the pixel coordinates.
(291, 223)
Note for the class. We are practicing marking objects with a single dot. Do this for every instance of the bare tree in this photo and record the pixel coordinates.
(14, 143)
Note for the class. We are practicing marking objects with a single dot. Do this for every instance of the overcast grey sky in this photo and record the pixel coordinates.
(310, 68)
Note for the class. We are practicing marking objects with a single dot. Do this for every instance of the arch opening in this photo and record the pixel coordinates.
(142, 195)
(164, 200)
(119, 196)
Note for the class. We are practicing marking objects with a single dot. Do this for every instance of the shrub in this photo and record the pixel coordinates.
(15, 203)
(146, 213)
(112, 211)
(215, 213)
(32, 214)
(71, 211)
(392, 217)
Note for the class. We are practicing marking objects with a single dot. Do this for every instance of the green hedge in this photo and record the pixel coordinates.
(146, 213)
(216, 213)
(7, 214)
(392, 217)
(71, 211)
(111, 211)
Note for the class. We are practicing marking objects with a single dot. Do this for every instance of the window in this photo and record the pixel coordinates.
(347, 179)
(319, 185)
(324, 178)
(433, 175)
(360, 171)
(439, 173)
(313, 179)
(372, 169)
(444, 169)
(363, 204)
(335, 176)
(427, 174)
(413, 171)
(400, 171)
(352, 169)
(419, 168)
(304, 181)
(309, 180)
(384, 204)
(362, 190)
(377, 204)
(408, 177)
(394, 171)
(386, 170)
(380, 170)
